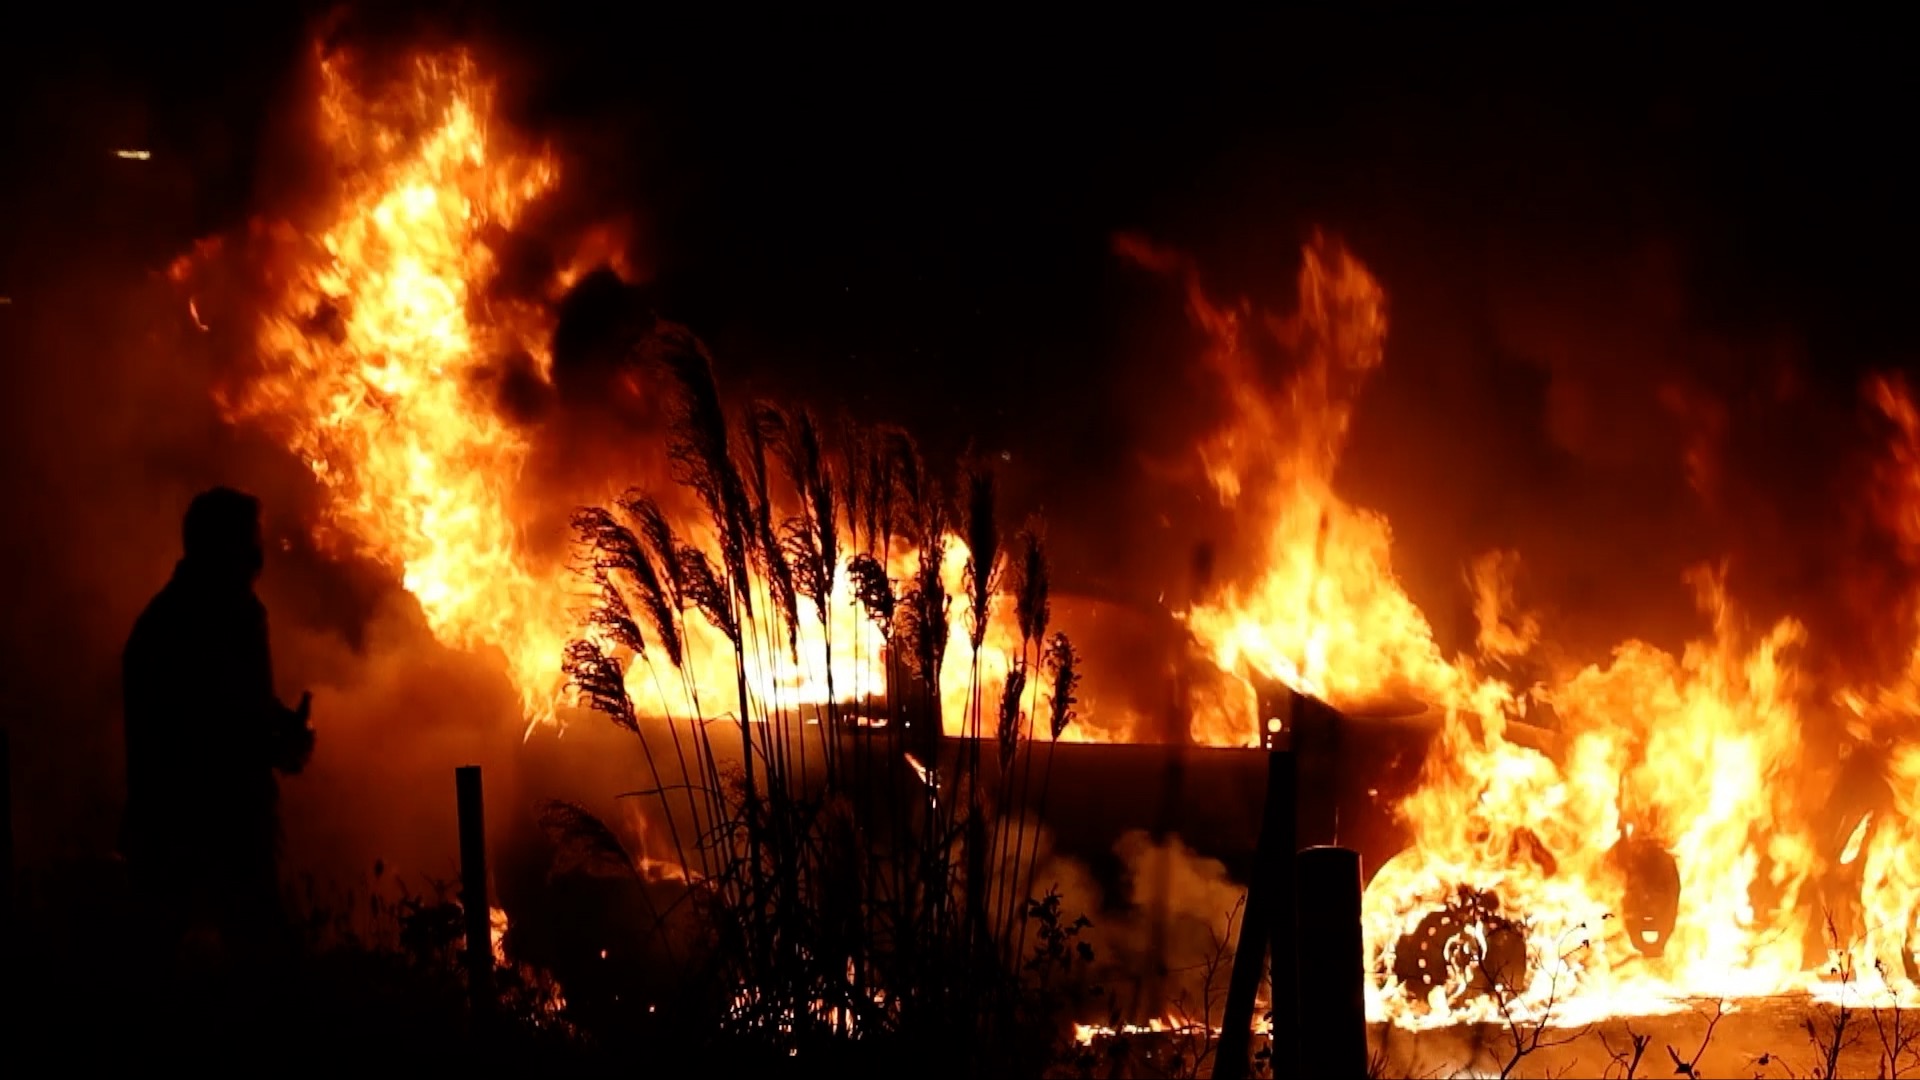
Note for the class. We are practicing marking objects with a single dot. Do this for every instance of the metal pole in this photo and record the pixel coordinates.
(473, 891)
(1333, 956)
(1265, 924)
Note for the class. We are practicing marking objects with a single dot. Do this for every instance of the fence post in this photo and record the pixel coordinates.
(6, 837)
(1333, 957)
(474, 901)
(1266, 924)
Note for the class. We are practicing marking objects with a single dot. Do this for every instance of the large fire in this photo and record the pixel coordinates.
(381, 354)
(381, 361)
(1522, 861)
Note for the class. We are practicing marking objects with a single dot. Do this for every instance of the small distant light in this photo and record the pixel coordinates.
(133, 155)
(1273, 724)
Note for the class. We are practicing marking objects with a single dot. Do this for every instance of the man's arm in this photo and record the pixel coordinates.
(287, 741)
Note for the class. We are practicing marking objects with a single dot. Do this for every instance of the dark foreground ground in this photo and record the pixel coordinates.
(376, 981)
(377, 986)
(74, 994)
(1787, 1036)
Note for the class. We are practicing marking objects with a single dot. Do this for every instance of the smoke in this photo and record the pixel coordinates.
(1162, 939)
(1704, 439)
(395, 715)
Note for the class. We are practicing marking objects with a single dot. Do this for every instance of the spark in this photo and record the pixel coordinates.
(133, 155)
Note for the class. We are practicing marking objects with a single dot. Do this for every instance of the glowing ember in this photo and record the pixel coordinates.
(1088, 1034)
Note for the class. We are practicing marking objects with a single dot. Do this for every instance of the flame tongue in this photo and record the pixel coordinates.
(377, 363)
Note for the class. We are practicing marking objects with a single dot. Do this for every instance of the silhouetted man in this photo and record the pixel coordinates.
(205, 733)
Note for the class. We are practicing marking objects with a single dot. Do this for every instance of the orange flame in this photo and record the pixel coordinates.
(1699, 755)
(381, 356)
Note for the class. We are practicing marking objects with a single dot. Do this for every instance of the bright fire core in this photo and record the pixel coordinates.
(382, 354)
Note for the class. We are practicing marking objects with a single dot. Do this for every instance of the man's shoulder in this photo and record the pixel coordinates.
(159, 610)
(179, 609)
(249, 602)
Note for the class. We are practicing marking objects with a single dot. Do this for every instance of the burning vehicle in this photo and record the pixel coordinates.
(1541, 836)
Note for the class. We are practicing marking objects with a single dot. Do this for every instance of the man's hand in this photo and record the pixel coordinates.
(296, 740)
(300, 751)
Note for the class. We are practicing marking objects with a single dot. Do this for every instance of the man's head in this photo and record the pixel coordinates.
(222, 533)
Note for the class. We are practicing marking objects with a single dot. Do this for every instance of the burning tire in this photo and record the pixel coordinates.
(1652, 902)
(1465, 949)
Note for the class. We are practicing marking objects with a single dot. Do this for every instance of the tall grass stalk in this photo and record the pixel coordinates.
(884, 892)
(1032, 612)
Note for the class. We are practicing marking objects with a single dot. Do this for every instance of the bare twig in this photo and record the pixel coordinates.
(1529, 1036)
(1624, 1062)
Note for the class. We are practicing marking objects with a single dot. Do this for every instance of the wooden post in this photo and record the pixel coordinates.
(474, 900)
(1173, 783)
(6, 837)
(1315, 731)
(1283, 962)
(1333, 963)
(1266, 925)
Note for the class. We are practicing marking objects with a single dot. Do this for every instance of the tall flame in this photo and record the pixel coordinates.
(1324, 613)
(382, 355)
(1699, 757)
(380, 360)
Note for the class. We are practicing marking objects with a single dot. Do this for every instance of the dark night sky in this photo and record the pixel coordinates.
(915, 220)
(862, 199)
(847, 194)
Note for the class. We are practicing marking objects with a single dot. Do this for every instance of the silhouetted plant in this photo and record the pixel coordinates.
(838, 912)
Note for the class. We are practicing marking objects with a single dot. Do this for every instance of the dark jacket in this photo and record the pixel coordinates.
(204, 729)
